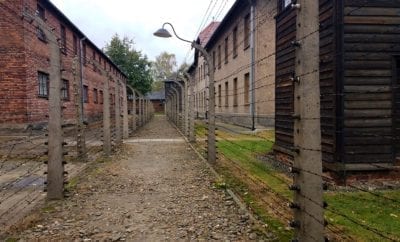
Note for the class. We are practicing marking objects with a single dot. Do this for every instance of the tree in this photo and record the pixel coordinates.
(163, 67)
(133, 63)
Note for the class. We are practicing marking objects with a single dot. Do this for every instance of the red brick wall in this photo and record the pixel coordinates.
(12, 64)
(158, 106)
(24, 55)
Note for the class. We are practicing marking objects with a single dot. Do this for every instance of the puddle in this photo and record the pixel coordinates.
(30, 181)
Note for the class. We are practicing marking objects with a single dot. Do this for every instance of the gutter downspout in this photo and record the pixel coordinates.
(252, 64)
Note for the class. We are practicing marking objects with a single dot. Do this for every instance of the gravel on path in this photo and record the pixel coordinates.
(155, 189)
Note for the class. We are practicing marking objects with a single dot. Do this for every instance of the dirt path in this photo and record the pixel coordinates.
(157, 189)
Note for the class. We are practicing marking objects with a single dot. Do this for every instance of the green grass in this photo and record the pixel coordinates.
(275, 226)
(244, 153)
(200, 129)
(243, 150)
(368, 210)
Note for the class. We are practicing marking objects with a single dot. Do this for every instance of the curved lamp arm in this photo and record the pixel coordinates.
(173, 29)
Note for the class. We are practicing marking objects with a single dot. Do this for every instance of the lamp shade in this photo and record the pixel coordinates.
(162, 33)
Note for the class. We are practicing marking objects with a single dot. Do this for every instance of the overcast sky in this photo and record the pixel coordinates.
(101, 19)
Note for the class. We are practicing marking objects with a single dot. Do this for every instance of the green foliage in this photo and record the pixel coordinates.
(163, 68)
(135, 65)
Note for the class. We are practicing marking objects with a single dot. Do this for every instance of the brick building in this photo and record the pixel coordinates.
(229, 44)
(25, 65)
(157, 99)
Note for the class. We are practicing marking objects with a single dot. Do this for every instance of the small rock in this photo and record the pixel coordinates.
(253, 236)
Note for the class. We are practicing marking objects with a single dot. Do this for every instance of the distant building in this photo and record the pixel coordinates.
(229, 44)
(25, 65)
(157, 98)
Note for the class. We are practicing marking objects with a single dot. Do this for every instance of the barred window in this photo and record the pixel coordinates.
(40, 34)
(43, 82)
(63, 34)
(85, 94)
(65, 90)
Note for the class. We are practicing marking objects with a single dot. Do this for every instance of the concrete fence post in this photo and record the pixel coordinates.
(118, 128)
(55, 167)
(308, 191)
(80, 127)
(125, 111)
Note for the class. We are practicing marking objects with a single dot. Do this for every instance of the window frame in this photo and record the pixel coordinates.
(226, 50)
(246, 88)
(65, 90)
(63, 36)
(41, 11)
(214, 60)
(226, 94)
(85, 94)
(219, 57)
(75, 44)
(219, 96)
(235, 92)
(42, 74)
(246, 31)
(41, 35)
(234, 42)
(84, 53)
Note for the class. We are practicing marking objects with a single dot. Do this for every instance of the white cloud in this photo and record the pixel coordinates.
(101, 19)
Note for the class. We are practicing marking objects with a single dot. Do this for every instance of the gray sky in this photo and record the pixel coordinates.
(101, 19)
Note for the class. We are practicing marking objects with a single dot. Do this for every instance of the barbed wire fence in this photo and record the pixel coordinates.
(297, 210)
(37, 161)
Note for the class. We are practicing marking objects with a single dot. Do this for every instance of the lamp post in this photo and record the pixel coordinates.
(211, 149)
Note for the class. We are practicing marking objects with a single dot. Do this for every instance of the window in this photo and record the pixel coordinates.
(85, 94)
(101, 96)
(204, 100)
(94, 58)
(246, 88)
(95, 98)
(84, 53)
(75, 45)
(219, 96)
(199, 76)
(65, 90)
(219, 56)
(226, 50)
(226, 94)
(40, 12)
(235, 93)
(214, 65)
(43, 81)
(246, 27)
(234, 39)
(41, 35)
(63, 39)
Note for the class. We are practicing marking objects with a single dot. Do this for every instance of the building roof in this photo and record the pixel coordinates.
(239, 5)
(203, 39)
(62, 16)
(157, 95)
(207, 32)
